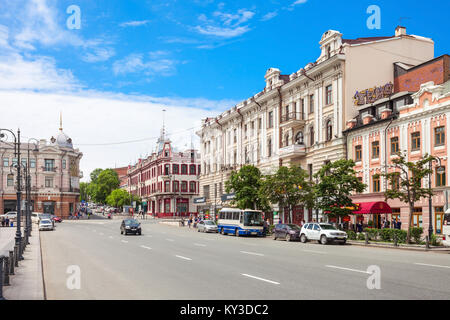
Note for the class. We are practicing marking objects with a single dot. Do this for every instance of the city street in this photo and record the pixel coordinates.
(177, 263)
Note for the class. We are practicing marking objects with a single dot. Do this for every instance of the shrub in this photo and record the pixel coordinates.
(351, 235)
(435, 241)
(387, 234)
(416, 234)
(401, 235)
(361, 236)
(373, 233)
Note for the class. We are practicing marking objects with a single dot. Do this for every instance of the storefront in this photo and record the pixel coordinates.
(371, 213)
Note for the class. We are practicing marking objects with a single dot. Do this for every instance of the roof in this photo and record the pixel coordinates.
(364, 40)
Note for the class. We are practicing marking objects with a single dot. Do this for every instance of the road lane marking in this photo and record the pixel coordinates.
(348, 269)
(171, 240)
(199, 245)
(432, 265)
(124, 241)
(148, 248)
(184, 258)
(258, 278)
(312, 251)
(252, 253)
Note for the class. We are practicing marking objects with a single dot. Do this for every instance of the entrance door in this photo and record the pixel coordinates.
(9, 205)
(49, 207)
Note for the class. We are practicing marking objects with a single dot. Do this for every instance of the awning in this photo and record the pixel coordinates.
(372, 208)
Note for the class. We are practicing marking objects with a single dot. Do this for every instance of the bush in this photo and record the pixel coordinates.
(435, 241)
(351, 235)
(401, 235)
(373, 233)
(361, 236)
(387, 234)
(416, 234)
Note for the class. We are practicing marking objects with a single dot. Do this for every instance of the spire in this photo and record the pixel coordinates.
(60, 121)
(163, 133)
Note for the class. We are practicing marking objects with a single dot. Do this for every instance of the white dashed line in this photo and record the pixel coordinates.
(348, 269)
(144, 247)
(184, 258)
(432, 265)
(258, 278)
(312, 251)
(252, 253)
(199, 245)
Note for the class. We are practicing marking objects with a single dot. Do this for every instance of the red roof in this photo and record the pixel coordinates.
(373, 208)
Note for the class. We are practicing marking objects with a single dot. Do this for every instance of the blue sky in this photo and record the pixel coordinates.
(194, 58)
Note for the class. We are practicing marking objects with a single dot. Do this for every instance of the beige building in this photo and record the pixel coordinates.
(299, 119)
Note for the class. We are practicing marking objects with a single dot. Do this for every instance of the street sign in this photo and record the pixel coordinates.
(199, 200)
(228, 197)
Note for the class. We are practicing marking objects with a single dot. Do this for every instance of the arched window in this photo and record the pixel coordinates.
(299, 139)
(329, 130)
(311, 136)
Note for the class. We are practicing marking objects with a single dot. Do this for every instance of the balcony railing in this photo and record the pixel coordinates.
(292, 116)
(49, 169)
(293, 151)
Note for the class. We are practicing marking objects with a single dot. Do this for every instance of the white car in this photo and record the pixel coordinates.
(46, 224)
(35, 217)
(322, 232)
(12, 216)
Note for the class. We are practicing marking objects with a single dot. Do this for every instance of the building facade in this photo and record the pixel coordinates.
(55, 176)
(167, 181)
(299, 119)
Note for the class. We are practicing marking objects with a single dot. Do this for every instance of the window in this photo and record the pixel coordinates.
(440, 177)
(259, 123)
(375, 149)
(48, 182)
(395, 182)
(329, 95)
(415, 141)
(24, 162)
(329, 130)
(10, 181)
(192, 169)
(417, 218)
(176, 186)
(235, 215)
(245, 131)
(49, 165)
(269, 148)
(376, 184)
(235, 136)
(14, 162)
(270, 124)
(184, 169)
(311, 103)
(358, 153)
(192, 186)
(175, 169)
(438, 217)
(6, 162)
(439, 136)
(64, 164)
(166, 205)
(33, 163)
(299, 139)
(166, 186)
(184, 186)
(166, 169)
(311, 136)
(394, 145)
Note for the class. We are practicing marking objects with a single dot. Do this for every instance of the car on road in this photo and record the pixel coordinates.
(322, 232)
(36, 217)
(56, 219)
(46, 224)
(12, 216)
(130, 226)
(46, 216)
(289, 232)
(207, 226)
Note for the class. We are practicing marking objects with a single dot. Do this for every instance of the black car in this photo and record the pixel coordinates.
(289, 232)
(130, 226)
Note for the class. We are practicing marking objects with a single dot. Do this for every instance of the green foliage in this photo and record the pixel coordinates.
(351, 235)
(288, 187)
(106, 182)
(373, 233)
(405, 181)
(94, 175)
(361, 236)
(435, 241)
(84, 194)
(337, 182)
(246, 184)
(416, 234)
(118, 198)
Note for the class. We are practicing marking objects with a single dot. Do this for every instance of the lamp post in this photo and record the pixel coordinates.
(28, 184)
(18, 237)
(439, 170)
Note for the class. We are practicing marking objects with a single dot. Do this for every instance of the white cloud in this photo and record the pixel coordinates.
(299, 2)
(99, 54)
(134, 63)
(222, 32)
(135, 23)
(269, 16)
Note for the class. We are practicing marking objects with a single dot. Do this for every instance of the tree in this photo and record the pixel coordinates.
(94, 175)
(405, 182)
(104, 184)
(246, 184)
(288, 187)
(84, 194)
(118, 198)
(337, 181)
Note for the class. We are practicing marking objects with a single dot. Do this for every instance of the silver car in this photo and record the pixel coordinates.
(46, 224)
(207, 226)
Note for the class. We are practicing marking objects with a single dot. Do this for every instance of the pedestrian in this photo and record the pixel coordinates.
(399, 225)
(195, 222)
(7, 221)
(279, 221)
(189, 222)
(266, 227)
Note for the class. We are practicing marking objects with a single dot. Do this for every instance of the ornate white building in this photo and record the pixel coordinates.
(299, 119)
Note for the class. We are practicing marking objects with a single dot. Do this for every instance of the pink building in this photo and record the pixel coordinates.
(415, 123)
(167, 181)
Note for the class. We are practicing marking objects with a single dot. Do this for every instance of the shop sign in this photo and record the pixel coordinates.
(373, 94)
(200, 200)
(228, 197)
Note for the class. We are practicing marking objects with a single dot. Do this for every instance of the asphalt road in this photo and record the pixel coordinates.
(175, 263)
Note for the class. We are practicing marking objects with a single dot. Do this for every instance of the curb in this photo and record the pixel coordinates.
(373, 245)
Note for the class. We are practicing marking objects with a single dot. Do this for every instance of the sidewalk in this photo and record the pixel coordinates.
(27, 283)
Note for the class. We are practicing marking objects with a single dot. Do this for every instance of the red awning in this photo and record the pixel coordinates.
(372, 208)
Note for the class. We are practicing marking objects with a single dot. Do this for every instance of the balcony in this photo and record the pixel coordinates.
(49, 169)
(293, 151)
(293, 119)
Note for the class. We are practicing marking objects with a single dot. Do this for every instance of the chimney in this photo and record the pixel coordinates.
(400, 31)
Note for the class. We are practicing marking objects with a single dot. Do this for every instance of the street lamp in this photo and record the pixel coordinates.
(28, 184)
(18, 237)
(439, 170)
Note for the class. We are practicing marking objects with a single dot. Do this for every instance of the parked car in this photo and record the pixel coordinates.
(46, 224)
(12, 216)
(322, 232)
(46, 216)
(289, 232)
(56, 219)
(207, 226)
(36, 217)
(130, 226)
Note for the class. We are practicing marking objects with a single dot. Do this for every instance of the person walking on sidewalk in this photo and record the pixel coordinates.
(189, 222)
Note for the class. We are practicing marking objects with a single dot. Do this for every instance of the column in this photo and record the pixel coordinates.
(335, 109)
